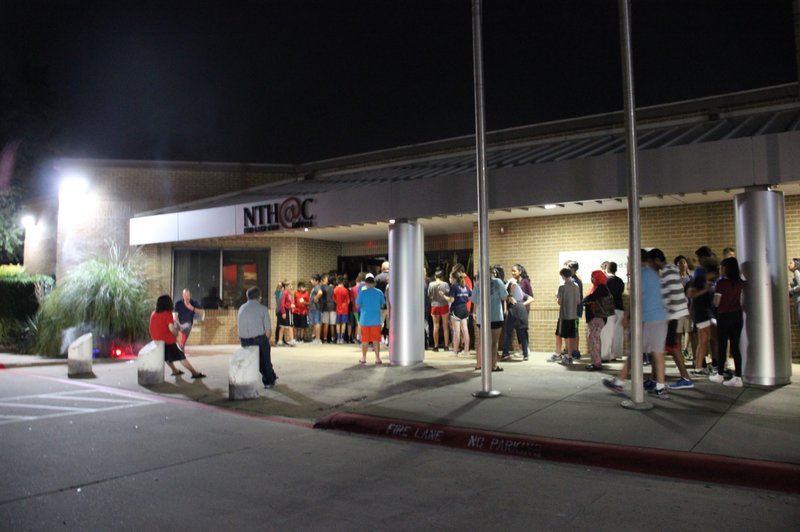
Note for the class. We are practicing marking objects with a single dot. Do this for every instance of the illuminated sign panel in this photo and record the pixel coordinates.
(291, 213)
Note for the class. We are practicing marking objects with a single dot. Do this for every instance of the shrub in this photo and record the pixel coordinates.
(21, 293)
(105, 296)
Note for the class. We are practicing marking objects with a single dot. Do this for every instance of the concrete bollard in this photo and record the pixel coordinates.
(150, 363)
(79, 357)
(243, 376)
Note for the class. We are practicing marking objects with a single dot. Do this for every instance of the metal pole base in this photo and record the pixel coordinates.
(486, 395)
(644, 405)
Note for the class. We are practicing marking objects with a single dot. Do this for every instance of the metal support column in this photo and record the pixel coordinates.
(761, 250)
(406, 293)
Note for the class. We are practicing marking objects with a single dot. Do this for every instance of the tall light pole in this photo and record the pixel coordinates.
(483, 210)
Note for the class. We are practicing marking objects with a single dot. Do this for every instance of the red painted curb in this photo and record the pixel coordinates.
(760, 474)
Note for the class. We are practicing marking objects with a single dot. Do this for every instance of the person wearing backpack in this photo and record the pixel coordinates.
(599, 304)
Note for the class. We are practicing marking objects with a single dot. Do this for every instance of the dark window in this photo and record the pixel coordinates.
(242, 269)
(228, 273)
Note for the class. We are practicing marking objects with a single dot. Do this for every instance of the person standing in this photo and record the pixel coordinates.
(594, 322)
(654, 331)
(382, 283)
(574, 266)
(370, 302)
(184, 311)
(341, 295)
(496, 301)
(254, 328)
(611, 335)
(314, 314)
(301, 300)
(520, 298)
(458, 298)
(568, 293)
(728, 295)
(794, 287)
(440, 308)
(328, 308)
(286, 320)
(164, 328)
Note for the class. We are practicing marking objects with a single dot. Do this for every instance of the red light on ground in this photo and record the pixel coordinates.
(118, 352)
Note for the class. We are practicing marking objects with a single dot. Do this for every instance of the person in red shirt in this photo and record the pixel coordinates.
(354, 333)
(341, 296)
(286, 317)
(164, 328)
(301, 299)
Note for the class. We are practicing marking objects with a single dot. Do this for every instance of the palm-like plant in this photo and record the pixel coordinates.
(105, 296)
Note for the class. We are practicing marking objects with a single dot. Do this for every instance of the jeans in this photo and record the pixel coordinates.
(510, 326)
(729, 329)
(268, 376)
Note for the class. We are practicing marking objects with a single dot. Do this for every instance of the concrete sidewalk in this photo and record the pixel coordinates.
(539, 400)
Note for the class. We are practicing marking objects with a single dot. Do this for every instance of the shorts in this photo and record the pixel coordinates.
(703, 324)
(493, 325)
(328, 317)
(287, 321)
(684, 325)
(313, 317)
(186, 327)
(653, 335)
(370, 333)
(566, 328)
(671, 343)
(342, 319)
(300, 321)
(440, 311)
(172, 353)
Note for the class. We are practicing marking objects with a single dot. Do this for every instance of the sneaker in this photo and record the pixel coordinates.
(524, 358)
(716, 377)
(555, 357)
(592, 367)
(612, 384)
(682, 384)
(649, 384)
(661, 393)
(566, 360)
(316, 341)
(700, 372)
(505, 357)
(735, 382)
(576, 355)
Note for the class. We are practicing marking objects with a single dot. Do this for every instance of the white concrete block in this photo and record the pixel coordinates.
(150, 363)
(79, 356)
(243, 375)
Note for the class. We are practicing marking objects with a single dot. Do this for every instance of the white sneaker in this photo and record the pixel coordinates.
(735, 382)
(292, 343)
(315, 341)
(716, 377)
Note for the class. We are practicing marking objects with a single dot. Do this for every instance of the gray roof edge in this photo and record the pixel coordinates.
(171, 165)
(698, 106)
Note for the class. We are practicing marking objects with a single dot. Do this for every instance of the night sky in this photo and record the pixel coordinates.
(302, 80)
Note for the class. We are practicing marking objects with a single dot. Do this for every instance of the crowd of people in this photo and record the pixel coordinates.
(693, 313)
(682, 307)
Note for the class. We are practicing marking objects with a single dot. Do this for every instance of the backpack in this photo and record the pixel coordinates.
(604, 306)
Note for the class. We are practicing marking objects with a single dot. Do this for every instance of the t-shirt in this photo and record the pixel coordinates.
(370, 300)
(580, 295)
(701, 305)
(184, 314)
(286, 303)
(434, 289)
(672, 293)
(313, 303)
(730, 295)
(497, 294)
(159, 327)
(382, 281)
(329, 304)
(341, 296)
(616, 286)
(652, 301)
(354, 290)
(569, 297)
(460, 295)
(301, 302)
